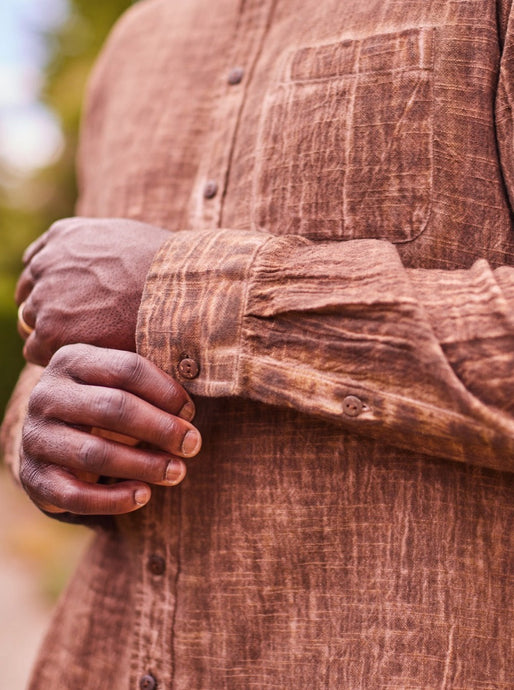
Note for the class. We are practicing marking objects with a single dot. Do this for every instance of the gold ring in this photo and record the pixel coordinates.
(23, 324)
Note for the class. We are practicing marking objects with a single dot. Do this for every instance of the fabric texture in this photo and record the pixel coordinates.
(340, 270)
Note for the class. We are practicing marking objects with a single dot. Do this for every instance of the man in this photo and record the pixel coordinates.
(334, 289)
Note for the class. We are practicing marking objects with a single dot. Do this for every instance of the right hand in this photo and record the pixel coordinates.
(109, 259)
(120, 392)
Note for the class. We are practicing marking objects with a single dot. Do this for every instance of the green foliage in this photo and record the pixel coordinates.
(29, 206)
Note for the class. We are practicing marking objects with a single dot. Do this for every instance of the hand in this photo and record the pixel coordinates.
(82, 283)
(84, 387)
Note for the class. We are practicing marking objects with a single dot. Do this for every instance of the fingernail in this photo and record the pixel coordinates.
(175, 472)
(191, 443)
(142, 496)
(187, 412)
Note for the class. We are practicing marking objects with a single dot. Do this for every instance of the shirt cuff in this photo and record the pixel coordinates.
(193, 305)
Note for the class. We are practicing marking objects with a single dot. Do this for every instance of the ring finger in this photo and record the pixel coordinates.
(26, 321)
(25, 285)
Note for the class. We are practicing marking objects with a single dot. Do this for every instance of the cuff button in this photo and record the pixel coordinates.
(352, 406)
(188, 368)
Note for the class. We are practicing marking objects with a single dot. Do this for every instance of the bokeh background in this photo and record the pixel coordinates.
(47, 49)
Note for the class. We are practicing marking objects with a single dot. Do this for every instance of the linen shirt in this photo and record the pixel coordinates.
(337, 295)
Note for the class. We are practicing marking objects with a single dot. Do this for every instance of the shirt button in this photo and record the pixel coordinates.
(188, 368)
(235, 75)
(210, 190)
(352, 406)
(156, 565)
(148, 682)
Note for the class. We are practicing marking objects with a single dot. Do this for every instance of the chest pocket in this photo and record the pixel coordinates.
(345, 140)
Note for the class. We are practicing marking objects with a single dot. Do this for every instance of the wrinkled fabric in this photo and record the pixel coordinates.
(348, 293)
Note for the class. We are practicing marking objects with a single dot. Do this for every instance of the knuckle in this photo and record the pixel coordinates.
(129, 368)
(57, 227)
(60, 359)
(93, 455)
(109, 404)
(37, 266)
(45, 336)
(176, 392)
(32, 477)
(43, 325)
(39, 403)
(69, 498)
(30, 438)
(28, 472)
(66, 357)
(67, 354)
(169, 429)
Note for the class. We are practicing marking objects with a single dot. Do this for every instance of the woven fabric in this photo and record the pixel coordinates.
(339, 266)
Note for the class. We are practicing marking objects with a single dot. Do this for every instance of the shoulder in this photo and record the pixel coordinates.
(130, 46)
(134, 30)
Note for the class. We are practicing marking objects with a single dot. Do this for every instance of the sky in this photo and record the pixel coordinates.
(30, 136)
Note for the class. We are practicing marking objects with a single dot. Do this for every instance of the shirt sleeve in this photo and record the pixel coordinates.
(11, 428)
(421, 359)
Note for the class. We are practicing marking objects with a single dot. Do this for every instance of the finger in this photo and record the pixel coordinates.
(82, 476)
(116, 410)
(55, 489)
(22, 332)
(34, 248)
(84, 452)
(24, 286)
(35, 351)
(130, 372)
(27, 312)
(25, 329)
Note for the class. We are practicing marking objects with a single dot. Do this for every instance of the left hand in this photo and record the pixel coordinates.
(82, 283)
(114, 392)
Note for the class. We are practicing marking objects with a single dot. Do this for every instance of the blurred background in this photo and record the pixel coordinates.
(47, 48)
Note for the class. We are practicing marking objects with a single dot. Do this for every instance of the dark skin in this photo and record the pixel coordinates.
(82, 285)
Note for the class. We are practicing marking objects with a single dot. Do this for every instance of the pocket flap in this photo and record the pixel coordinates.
(404, 50)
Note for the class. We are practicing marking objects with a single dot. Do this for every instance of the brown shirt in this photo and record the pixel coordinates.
(337, 293)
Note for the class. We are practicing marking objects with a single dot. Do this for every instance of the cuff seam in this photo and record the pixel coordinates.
(236, 388)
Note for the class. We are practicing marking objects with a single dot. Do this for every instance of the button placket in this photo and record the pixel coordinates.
(207, 200)
(148, 682)
(159, 589)
(157, 567)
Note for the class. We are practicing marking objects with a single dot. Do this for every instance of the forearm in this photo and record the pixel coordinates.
(340, 330)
